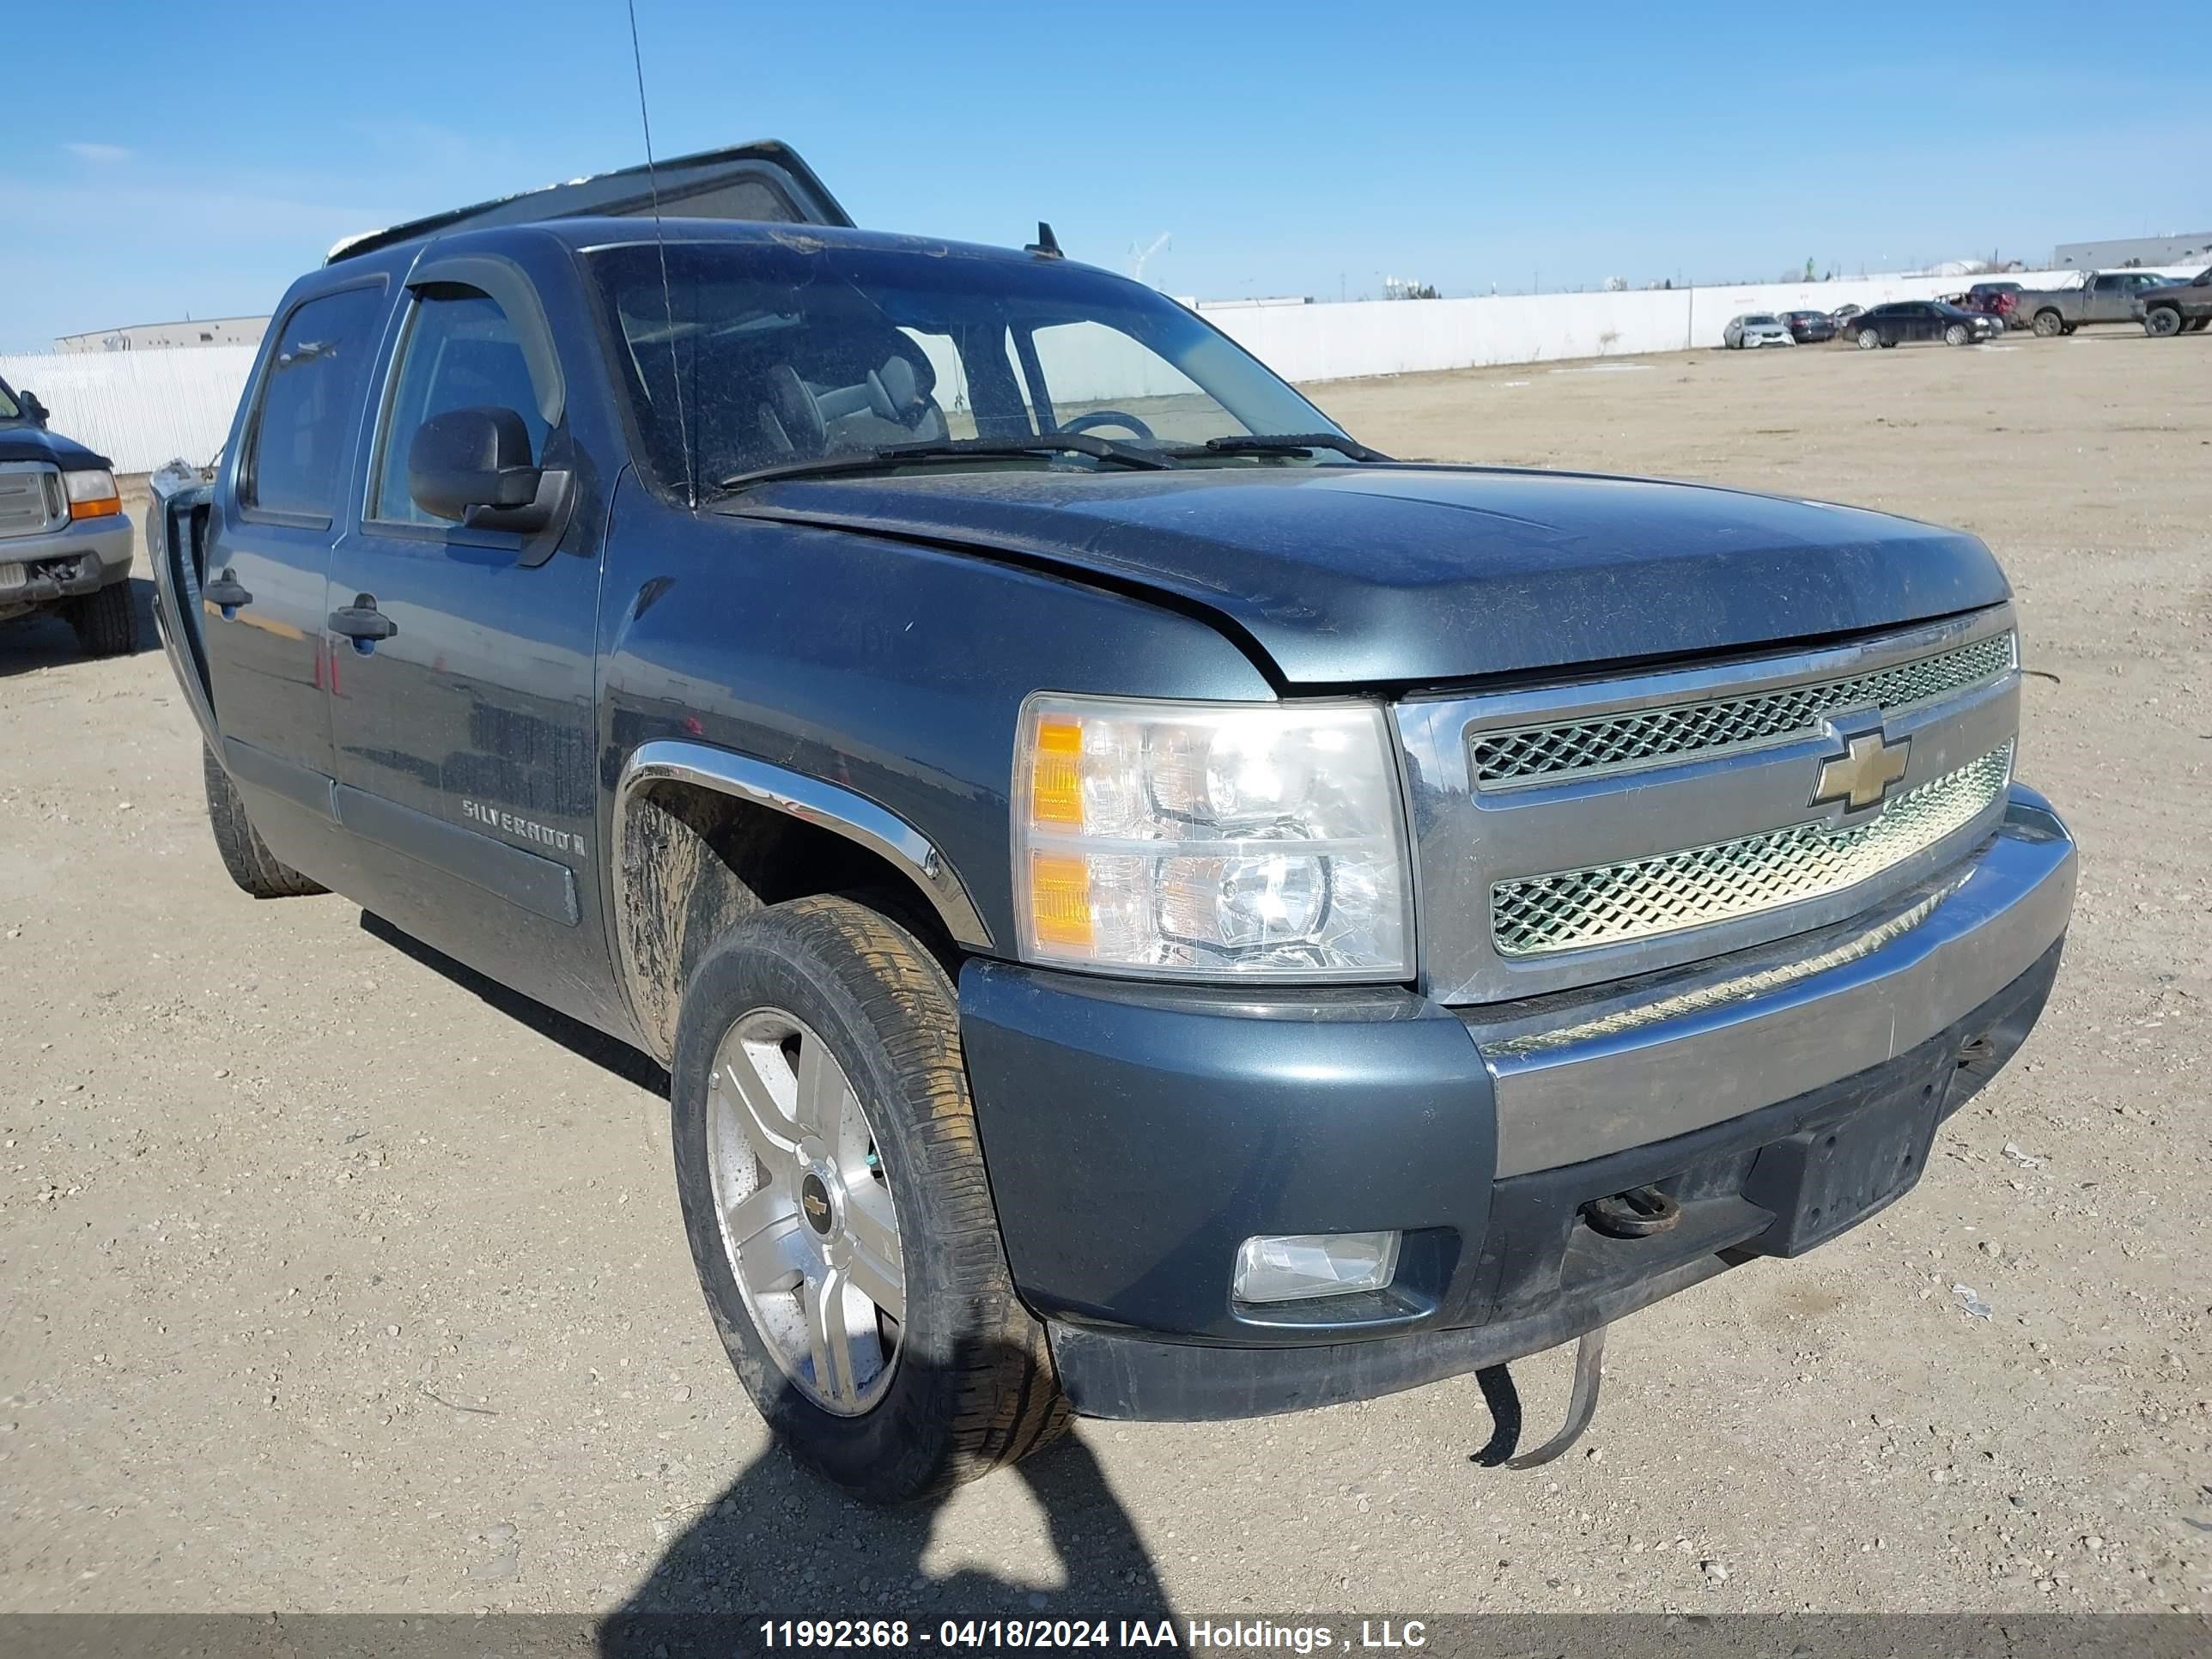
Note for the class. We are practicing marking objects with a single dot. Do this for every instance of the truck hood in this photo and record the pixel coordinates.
(22, 441)
(1376, 573)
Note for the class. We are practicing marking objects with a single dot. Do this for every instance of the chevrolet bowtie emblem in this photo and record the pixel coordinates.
(816, 1206)
(1861, 774)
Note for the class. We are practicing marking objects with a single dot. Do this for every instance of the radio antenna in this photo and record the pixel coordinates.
(661, 242)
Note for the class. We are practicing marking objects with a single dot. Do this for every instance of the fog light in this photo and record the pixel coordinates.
(1294, 1266)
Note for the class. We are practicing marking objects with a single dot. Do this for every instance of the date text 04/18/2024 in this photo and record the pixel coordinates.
(991, 1635)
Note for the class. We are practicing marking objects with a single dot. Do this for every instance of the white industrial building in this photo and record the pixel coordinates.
(168, 336)
(2134, 250)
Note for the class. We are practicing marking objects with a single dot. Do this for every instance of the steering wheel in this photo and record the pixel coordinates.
(1107, 417)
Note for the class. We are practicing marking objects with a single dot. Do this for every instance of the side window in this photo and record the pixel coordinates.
(1088, 367)
(461, 352)
(295, 447)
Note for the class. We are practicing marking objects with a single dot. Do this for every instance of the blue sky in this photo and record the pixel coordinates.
(1285, 147)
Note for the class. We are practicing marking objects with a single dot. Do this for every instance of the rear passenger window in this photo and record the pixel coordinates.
(307, 404)
(461, 353)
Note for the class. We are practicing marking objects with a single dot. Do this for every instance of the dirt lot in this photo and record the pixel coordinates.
(332, 1284)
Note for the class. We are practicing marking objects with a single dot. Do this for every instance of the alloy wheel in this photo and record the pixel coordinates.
(807, 1220)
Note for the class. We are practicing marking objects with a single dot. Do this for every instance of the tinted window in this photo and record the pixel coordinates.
(307, 404)
(761, 352)
(461, 353)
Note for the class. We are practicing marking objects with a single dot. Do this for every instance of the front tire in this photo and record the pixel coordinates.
(2162, 322)
(245, 855)
(1955, 335)
(833, 1196)
(106, 622)
(1868, 339)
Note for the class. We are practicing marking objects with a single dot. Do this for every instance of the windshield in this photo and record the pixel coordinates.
(1759, 321)
(9, 409)
(765, 354)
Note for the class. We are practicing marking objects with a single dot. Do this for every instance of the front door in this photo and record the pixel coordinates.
(269, 551)
(463, 690)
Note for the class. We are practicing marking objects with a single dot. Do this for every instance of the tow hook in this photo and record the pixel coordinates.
(1637, 1213)
(1582, 1404)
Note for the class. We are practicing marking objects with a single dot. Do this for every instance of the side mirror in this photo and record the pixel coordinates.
(28, 401)
(467, 459)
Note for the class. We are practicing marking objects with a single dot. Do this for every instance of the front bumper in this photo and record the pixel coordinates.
(1136, 1135)
(80, 558)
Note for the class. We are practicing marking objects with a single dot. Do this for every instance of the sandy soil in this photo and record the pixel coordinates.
(327, 1282)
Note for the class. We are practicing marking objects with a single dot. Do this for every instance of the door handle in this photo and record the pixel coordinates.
(363, 624)
(226, 595)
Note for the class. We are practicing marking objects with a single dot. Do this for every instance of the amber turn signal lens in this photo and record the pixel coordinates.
(1056, 780)
(105, 507)
(1060, 900)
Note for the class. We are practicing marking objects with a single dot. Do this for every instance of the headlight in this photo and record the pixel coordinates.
(1220, 842)
(91, 492)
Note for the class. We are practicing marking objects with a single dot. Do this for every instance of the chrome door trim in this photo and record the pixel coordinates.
(811, 800)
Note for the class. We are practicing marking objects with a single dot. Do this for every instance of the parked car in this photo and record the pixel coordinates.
(1997, 300)
(65, 543)
(1758, 328)
(1922, 319)
(2177, 307)
(1809, 327)
(1151, 908)
(2102, 296)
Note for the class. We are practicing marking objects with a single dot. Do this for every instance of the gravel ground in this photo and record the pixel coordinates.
(334, 1281)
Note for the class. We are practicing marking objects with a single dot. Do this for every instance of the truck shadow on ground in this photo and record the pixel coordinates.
(609, 1053)
(31, 643)
(782, 1543)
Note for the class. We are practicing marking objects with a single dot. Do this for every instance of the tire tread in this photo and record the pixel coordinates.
(246, 857)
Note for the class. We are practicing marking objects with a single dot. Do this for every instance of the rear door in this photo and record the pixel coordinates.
(269, 535)
(465, 735)
(2112, 299)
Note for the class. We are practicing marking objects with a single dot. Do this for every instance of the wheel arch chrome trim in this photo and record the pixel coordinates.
(811, 800)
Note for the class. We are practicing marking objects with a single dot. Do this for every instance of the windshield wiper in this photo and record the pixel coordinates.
(952, 449)
(1288, 443)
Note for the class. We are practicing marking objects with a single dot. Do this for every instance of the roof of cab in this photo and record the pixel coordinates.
(588, 232)
(683, 185)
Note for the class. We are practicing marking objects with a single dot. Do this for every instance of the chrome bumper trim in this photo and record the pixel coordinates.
(1714, 1050)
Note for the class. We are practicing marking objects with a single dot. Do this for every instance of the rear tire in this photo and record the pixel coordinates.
(106, 622)
(2048, 325)
(245, 854)
(960, 1381)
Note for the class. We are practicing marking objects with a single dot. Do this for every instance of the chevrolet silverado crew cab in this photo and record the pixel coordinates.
(65, 545)
(1151, 908)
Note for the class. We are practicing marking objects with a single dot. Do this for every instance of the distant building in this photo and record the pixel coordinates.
(168, 336)
(2129, 251)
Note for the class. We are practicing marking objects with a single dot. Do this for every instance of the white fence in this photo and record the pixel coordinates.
(143, 408)
(139, 408)
(1403, 337)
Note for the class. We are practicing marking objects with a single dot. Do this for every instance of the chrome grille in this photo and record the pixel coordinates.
(1614, 903)
(30, 498)
(1651, 736)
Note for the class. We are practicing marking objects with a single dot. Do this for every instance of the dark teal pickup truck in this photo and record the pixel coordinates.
(1151, 908)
